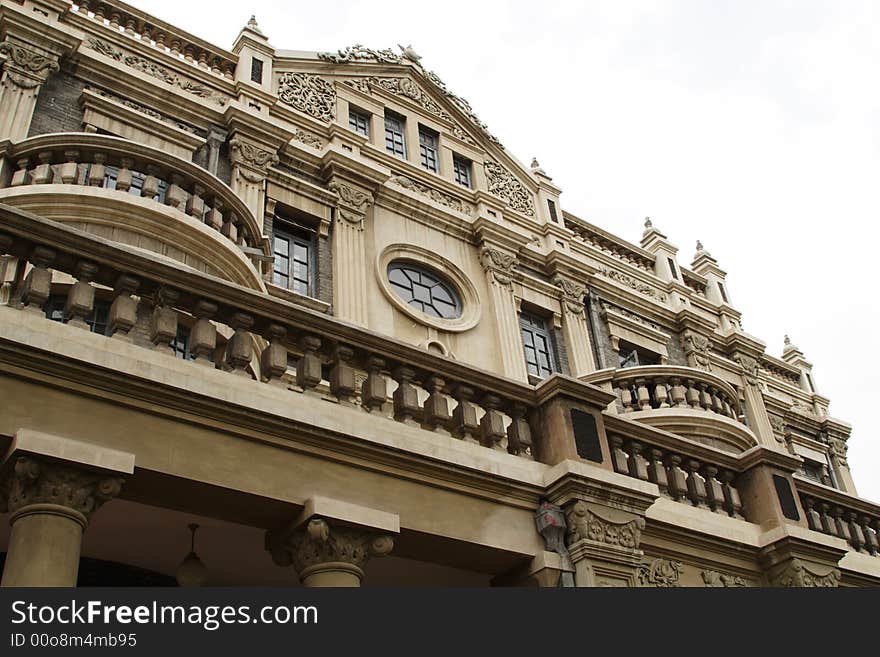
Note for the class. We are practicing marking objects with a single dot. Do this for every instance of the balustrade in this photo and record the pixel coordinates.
(832, 512)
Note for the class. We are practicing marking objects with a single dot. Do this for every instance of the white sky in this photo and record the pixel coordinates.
(753, 126)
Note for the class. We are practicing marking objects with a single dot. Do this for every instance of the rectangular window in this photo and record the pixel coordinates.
(293, 267)
(537, 345)
(137, 183)
(180, 344)
(810, 384)
(723, 293)
(359, 121)
(256, 70)
(552, 207)
(462, 170)
(394, 141)
(428, 148)
(672, 267)
(632, 356)
(97, 320)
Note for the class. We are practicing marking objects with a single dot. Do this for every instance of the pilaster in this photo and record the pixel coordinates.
(25, 69)
(500, 273)
(574, 326)
(349, 251)
(250, 164)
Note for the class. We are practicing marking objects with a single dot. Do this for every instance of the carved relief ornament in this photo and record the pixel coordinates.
(750, 368)
(498, 264)
(572, 295)
(352, 204)
(584, 524)
(796, 574)
(697, 347)
(838, 450)
(629, 281)
(26, 68)
(310, 94)
(252, 156)
(661, 573)
(712, 578)
(435, 195)
(503, 184)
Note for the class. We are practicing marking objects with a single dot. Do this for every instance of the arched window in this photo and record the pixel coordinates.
(424, 290)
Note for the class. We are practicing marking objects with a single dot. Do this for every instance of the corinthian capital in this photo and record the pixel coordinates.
(498, 265)
(351, 204)
(24, 67)
(254, 159)
(35, 481)
(571, 294)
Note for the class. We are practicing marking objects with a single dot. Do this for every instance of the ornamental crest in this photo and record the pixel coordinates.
(662, 573)
(503, 184)
(309, 94)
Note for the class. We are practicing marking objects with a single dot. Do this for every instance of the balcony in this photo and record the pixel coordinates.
(136, 195)
(835, 513)
(685, 401)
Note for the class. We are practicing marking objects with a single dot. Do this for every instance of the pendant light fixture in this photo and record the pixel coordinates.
(192, 572)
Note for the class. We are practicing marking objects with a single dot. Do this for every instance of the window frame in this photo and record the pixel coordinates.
(400, 131)
(438, 280)
(429, 149)
(357, 113)
(462, 164)
(295, 235)
(538, 326)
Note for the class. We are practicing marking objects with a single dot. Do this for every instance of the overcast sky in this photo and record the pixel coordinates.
(753, 126)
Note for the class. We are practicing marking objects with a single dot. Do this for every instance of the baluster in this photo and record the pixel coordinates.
(656, 471)
(188, 54)
(343, 381)
(492, 422)
(83, 7)
(374, 391)
(123, 176)
(717, 405)
(68, 170)
(464, 417)
(705, 397)
(714, 490)
(203, 334)
(840, 524)
(175, 47)
(129, 26)
(728, 408)
(163, 322)
(308, 368)
(676, 477)
(696, 487)
(273, 359)
(175, 196)
(20, 177)
(214, 217)
(202, 59)
(240, 347)
(195, 204)
(406, 396)
(37, 285)
(856, 537)
(692, 394)
(519, 434)
(643, 395)
(80, 302)
(660, 393)
(100, 12)
(637, 465)
(43, 173)
(827, 521)
(676, 393)
(814, 521)
(619, 458)
(123, 311)
(871, 537)
(160, 40)
(229, 229)
(436, 411)
(97, 171)
(732, 502)
(114, 20)
(626, 397)
(150, 188)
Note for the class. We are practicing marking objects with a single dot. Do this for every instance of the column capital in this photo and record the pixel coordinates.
(571, 294)
(498, 265)
(25, 67)
(352, 204)
(252, 159)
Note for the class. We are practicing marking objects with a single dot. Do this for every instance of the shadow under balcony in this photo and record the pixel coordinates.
(139, 196)
(685, 401)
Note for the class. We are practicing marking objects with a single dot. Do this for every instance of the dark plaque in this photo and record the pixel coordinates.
(586, 435)
(786, 498)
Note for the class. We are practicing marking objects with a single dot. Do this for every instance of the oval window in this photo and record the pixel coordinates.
(424, 290)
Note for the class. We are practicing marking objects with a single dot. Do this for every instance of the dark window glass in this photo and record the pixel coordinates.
(359, 122)
(723, 292)
(293, 267)
(97, 320)
(424, 290)
(552, 207)
(428, 149)
(137, 183)
(537, 345)
(672, 267)
(631, 356)
(180, 343)
(394, 141)
(462, 171)
(257, 70)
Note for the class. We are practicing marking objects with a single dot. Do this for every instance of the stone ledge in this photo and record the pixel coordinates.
(73, 452)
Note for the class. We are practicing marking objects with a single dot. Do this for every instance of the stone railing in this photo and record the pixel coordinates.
(608, 243)
(696, 476)
(151, 31)
(130, 168)
(832, 512)
(355, 366)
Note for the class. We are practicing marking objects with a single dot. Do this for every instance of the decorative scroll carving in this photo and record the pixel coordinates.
(498, 264)
(308, 139)
(153, 69)
(697, 347)
(360, 53)
(838, 450)
(436, 196)
(712, 578)
(572, 295)
(308, 93)
(617, 310)
(352, 204)
(34, 481)
(796, 574)
(503, 184)
(629, 281)
(318, 543)
(26, 68)
(584, 524)
(662, 573)
(252, 155)
(750, 368)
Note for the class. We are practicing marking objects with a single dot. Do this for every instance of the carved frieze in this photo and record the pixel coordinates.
(360, 53)
(308, 139)
(617, 310)
(26, 68)
(750, 367)
(310, 94)
(143, 109)
(629, 281)
(585, 524)
(571, 294)
(352, 204)
(712, 578)
(498, 265)
(435, 195)
(157, 71)
(661, 573)
(503, 184)
(697, 349)
(796, 574)
(252, 160)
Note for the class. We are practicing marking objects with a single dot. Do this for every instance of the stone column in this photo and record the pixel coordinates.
(841, 465)
(250, 163)
(756, 411)
(51, 503)
(216, 138)
(24, 72)
(326, 555)
(349, 257)
(499, 268)
(574, 327)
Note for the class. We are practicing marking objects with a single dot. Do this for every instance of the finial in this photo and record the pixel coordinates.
(536, 168)
(409, 53)
(787, 341)
(648, 224)
(700, 246)
(252, 24)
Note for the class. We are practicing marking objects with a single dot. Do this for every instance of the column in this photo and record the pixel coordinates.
(841, 465)
(250, 163)
(51, 503)
(24, 72)
(350, 270)
(574, 327)
(756, 411)
(499, 268)
(326, 554)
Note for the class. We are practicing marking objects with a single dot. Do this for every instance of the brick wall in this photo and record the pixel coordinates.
(58, 108)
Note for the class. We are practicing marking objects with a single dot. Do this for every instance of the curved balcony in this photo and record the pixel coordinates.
(682, 400)
(137, 195)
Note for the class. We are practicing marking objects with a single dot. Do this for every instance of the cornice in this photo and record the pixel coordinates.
(565, 386)
(806, 486)
(763, 455)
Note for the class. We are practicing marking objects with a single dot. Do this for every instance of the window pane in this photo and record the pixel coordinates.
(536, 345)
(424, 291)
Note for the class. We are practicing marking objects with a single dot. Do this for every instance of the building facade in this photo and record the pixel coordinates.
(309, 303)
